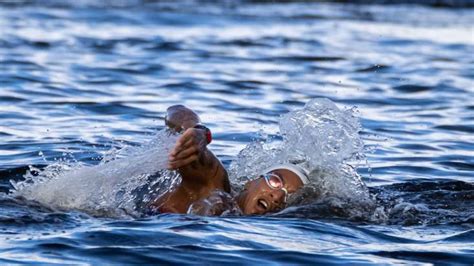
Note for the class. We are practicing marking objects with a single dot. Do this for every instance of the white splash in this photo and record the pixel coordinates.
(319, 137)
(104, 189)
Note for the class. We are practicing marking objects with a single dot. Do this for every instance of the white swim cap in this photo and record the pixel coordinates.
(302, 173)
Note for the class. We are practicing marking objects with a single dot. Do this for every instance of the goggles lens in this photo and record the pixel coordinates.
(273, 181)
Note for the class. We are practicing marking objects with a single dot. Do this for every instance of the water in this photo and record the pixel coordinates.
(86, 85)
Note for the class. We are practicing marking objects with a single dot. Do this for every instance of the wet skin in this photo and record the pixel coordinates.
(259, 198)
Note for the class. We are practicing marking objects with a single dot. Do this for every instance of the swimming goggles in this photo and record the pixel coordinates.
(275, 182)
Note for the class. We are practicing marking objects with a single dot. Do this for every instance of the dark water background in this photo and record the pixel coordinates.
(77, 78)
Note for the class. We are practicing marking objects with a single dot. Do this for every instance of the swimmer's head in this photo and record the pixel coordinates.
(269, 191)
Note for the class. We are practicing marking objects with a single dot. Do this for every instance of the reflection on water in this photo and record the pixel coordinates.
(78, 79)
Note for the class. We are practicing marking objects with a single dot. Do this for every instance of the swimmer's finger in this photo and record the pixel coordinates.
(180, 163)
(180, 146)
(189, 134)
(191, 137)
(183, 154)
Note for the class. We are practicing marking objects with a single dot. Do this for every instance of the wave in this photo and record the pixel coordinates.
(168, 4)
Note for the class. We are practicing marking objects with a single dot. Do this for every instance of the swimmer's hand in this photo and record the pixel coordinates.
(179, 117)
(189, 147)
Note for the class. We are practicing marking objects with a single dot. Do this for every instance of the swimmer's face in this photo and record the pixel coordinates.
(260, 196)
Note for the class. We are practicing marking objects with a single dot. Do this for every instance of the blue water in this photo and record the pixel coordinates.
(79, 78)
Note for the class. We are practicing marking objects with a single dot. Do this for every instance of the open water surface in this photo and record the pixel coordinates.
(81, 80)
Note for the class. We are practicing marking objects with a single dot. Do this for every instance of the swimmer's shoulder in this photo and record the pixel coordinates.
(217, 203)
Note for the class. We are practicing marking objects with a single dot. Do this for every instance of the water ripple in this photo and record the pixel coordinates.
(78, 78)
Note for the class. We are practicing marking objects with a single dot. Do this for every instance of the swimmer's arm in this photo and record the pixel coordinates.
(198, 166)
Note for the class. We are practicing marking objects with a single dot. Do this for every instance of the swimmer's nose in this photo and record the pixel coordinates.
(278, 196)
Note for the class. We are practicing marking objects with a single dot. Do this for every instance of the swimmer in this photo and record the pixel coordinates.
(204, 178)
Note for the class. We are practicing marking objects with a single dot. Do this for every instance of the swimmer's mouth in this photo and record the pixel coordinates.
(262, 204)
